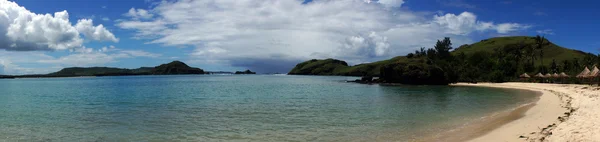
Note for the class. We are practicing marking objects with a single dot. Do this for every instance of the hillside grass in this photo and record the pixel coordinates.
(551, 51)
(336, 67)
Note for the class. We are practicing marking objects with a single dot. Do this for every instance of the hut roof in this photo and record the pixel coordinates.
(555, 75)
(539, 75)
(524, 75)
(584, 73)
(548, 75)
(563, 74)
(595, 72)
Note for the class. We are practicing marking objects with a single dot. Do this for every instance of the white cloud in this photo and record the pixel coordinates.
(457, 3)
(233, 31)
(138, 14)
(23, 30)
(545, 32)
(37, 62)
(372, 45)
(467, 22)
(12, 61)
(140, 53)
(510, 27)
(84, 57)
(391, 3)
(1, 67)
(99, 33)
(105, 19)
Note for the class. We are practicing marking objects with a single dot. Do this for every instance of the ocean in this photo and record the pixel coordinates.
(238, 108)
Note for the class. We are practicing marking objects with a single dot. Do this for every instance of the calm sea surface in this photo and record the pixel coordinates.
(237, 108)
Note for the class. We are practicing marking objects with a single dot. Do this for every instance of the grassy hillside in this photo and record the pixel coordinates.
(338, 67)
(551, 51)
(320, 67)
(92, 71)
(175, 67)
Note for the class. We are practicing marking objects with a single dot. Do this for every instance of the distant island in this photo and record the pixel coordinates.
(172, 68)
(498, 59)
(245, 72)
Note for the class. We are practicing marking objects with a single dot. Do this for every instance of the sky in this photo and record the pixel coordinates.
(267, 36)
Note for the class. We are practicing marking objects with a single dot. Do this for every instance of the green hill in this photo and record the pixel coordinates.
(484, 47)
(92, 71)
(175, 67)
(551, 51)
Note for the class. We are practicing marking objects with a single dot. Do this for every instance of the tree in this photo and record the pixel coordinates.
(421, 52)
(576, 64)
(588, 60)
(443, 48)
(598, 60)
(513, 52)
(553, 66)
(566, 67)
(530, 52)
(540, 42)
(431, 53)
(410, 55)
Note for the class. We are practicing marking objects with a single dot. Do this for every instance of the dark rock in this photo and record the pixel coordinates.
(245, 72)
(366, 79)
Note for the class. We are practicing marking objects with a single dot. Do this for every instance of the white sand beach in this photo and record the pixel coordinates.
(564, 112)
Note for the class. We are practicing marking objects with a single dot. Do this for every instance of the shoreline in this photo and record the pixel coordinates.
(484, 125)
(531, 122)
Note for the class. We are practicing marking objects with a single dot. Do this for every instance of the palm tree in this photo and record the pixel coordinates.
(540, 43)
(529, 52)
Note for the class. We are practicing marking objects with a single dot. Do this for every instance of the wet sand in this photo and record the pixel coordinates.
(562, 113)
(484, 125)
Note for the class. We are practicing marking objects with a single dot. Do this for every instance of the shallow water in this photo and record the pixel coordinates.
(237, 108)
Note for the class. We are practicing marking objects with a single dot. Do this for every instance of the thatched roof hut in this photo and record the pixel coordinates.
(563, 74)
(548, 75)
(539, 75)
(594, 73)
(584, 73)
(555, 75)
(524, 75)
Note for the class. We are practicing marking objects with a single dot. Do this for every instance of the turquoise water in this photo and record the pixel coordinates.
(236, 108)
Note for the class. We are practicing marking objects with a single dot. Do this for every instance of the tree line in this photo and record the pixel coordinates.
(438, 65)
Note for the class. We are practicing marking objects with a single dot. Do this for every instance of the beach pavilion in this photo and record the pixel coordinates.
(564, 75)
(583, 73)
(594, 73)
(524, 76)
(539, 75)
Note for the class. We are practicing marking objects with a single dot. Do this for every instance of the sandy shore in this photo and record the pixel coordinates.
(562, 113)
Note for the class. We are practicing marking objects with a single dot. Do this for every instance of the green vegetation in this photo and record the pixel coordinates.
(245, 72)
(93, 71)
(496, 59)
(320, 67)
(175, 67)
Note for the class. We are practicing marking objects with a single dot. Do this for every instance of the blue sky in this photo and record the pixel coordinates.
(271, 35)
